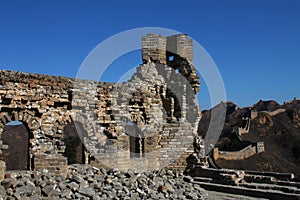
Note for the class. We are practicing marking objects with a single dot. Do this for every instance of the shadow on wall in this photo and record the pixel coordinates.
(136, 140)
(15, 137)
(73, 139)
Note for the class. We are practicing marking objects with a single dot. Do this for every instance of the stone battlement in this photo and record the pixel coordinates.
(245, 153)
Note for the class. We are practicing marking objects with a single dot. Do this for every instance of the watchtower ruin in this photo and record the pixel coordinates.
(176, 51)
(164, 49)
(147, 122)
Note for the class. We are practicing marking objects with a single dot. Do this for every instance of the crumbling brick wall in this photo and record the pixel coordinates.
(160, 101)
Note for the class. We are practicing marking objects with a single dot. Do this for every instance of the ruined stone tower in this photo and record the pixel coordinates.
(175, 51)
(148, 122)
(164, 49)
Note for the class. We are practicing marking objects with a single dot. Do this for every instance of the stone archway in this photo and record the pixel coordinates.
(17, 142)
(74, 133)
(15, 139)
(136, 141)
(80, 129)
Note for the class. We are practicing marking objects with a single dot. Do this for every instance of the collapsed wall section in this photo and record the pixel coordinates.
(148, 121)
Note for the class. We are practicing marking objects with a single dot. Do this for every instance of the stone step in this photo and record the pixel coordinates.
(264, 186)
(288, 183)
(203, 179)
(269, 180)
(259, 193)
(276, 175)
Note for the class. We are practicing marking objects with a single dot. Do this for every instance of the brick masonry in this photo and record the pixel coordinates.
(245, 153)
(159, 101)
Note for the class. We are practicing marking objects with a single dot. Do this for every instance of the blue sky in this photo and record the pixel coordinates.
(255, 44)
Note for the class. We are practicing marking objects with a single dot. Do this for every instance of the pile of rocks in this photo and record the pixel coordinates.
(87, 182)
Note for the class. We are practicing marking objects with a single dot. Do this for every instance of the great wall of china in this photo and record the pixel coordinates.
(144, 118)
(148, 122)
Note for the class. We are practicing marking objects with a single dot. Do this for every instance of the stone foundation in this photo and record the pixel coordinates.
(53, 164)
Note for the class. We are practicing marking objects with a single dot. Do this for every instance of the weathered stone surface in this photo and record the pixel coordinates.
(121, 186)
(27, 191)
(8, 183)
(86, 191)
(49, 190)
(73, 186)
(147, 122)
(2, 170)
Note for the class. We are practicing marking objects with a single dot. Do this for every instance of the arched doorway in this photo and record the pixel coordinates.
(15, 138)
(73, 139)
(136, 141)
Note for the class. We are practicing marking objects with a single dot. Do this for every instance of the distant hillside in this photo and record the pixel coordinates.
(278, 126)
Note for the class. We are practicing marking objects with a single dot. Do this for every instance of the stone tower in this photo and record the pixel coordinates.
(154, 48)
(160, 48)
(176, 51)
(180, 45)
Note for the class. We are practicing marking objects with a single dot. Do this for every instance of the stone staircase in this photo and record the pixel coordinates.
(250, 183)
(177, 144)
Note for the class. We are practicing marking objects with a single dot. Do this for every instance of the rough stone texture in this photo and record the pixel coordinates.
(54, 164)
(87, 182)
(154, 48)
(176, 51)
(158, 101)
(180, 45)
(2, 170)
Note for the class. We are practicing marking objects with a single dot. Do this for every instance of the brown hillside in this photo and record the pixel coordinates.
(280, 134)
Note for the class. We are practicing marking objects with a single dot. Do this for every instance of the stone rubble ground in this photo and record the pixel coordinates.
(87, 182)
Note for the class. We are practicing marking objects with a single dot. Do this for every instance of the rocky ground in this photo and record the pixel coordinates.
(87, 182)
